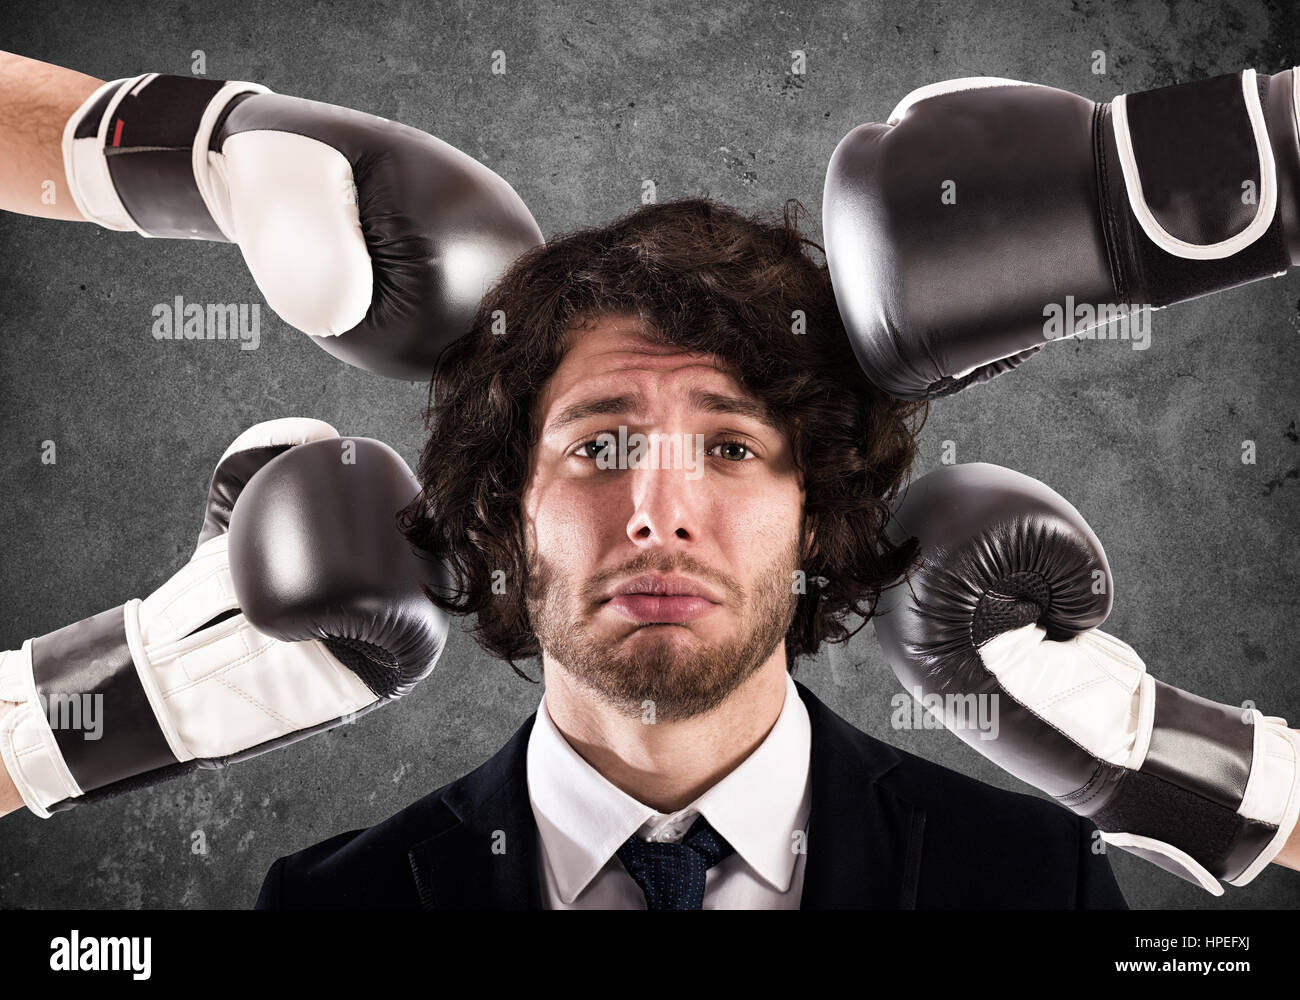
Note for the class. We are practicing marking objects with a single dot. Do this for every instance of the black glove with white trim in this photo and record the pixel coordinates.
(375, 238)
(1005, 606)
(990, 216)
(302, 607)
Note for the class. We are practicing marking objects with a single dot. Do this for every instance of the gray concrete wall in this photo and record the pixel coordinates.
(1147, 444)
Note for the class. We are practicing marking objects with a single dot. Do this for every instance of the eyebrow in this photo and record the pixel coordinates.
(709, 402)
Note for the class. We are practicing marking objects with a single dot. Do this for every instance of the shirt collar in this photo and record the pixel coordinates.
(583, 819)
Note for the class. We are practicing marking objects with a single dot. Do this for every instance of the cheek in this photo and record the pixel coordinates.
(571, 525)
(759, 523)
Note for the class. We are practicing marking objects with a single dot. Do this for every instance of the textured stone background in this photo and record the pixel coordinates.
(697, 96)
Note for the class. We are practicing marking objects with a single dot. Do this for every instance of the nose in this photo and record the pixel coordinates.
(667, 507)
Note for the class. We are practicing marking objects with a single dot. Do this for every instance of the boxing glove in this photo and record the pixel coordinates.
(301, 608)
(996, 631)
(989, 216)
(374, 238)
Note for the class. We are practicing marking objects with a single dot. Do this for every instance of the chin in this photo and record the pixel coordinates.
(669, 632)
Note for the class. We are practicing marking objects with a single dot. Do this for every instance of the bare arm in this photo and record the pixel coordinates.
(9, 797)
(1289, 856)
(36, 100)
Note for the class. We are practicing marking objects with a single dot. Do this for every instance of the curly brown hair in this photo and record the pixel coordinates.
(706, 278)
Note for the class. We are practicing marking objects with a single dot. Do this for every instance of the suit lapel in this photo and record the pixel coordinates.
(864, 841)
(484, 856)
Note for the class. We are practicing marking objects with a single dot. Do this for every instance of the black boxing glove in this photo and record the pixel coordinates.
(374, 238)
(1005, 606)
(990, 216)
(302, 607)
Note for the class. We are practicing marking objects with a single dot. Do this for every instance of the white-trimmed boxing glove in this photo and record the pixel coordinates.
(301, 608)
(1005, 605)
(376, 239)
(987, 216)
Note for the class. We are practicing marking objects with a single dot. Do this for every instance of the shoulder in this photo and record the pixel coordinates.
(978, 845)
(942, 791)
(372, 868)
(359, 869)
(986, 846)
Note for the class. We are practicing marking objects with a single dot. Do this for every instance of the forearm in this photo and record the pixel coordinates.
(9, 797)
(36, 100)
(1289, 856)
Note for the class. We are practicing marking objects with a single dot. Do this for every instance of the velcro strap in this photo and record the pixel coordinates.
(1191, 783)
(1218, 838)
(149, 146)
(87, 668)
(1198, 165)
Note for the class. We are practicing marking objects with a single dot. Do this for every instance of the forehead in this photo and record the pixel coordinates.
(611, 350)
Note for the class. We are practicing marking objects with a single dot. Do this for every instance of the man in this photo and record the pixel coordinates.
(673, 761)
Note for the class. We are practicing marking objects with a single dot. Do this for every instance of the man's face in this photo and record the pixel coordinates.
(731, 525)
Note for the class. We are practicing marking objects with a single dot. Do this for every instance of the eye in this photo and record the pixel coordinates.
(594, 446)
(581, 450)
(734, 444)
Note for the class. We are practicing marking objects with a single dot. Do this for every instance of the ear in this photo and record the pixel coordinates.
(810, 543)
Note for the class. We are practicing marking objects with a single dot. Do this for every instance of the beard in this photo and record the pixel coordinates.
(674, 668)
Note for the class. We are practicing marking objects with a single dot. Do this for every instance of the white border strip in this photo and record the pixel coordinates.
(211, 182)
(951, 87)
(1267, 184)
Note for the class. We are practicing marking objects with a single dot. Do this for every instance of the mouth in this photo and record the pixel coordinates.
(662, 600)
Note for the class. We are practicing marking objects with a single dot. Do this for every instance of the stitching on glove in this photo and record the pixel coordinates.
(1068, 692)
(165, 613)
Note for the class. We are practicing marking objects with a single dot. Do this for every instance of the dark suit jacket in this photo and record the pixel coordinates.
(887, 829)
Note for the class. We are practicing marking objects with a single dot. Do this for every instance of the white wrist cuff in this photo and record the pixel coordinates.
(1273, 788)
(86, 167)
(31, 753)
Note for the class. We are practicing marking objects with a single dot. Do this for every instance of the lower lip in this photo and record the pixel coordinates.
(649, 608)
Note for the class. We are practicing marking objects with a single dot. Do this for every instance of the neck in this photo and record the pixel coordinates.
(667, 765)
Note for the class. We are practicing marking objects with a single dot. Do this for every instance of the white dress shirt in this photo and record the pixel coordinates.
(583, 819)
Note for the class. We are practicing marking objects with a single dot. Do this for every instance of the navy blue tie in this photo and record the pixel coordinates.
(672, 875)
